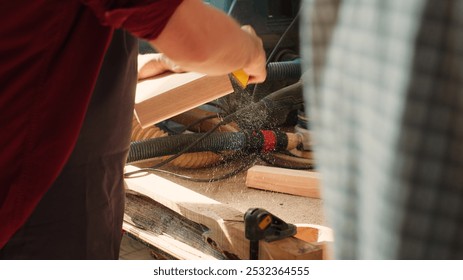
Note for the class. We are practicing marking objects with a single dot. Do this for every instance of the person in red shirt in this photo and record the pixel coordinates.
(59, 199)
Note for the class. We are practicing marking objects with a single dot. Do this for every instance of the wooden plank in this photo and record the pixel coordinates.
(290, 181)
(225, 224)
(146, 214)
(170, 94)
(173, 247)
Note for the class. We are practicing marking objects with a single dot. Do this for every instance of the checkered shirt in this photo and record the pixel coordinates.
(384, 96)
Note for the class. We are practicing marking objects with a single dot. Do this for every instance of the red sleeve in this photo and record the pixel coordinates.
(145, 18)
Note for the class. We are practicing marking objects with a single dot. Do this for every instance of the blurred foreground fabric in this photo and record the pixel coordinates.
(384, 94)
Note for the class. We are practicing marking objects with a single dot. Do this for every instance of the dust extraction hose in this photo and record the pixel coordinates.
(277, 71)
(251, 141)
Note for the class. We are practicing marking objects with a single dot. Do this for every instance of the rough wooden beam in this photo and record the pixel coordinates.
(290, 181)
(168, 247)
(152, 217)
(225, 224)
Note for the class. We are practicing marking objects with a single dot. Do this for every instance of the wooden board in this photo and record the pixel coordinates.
(169, 245)
(151, 217)
(170, 94)
(290, 181)
(225, 224)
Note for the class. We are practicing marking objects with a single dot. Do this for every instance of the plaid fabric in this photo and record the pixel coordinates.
(383, 89)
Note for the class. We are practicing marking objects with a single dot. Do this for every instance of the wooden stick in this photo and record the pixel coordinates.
(296, 182)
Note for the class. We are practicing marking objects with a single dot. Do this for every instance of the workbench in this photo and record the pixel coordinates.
(181, 219)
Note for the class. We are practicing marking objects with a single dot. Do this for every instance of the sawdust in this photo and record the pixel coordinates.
(233, 192)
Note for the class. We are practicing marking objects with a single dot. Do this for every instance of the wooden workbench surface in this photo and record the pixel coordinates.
(234, 193)
(235, 198)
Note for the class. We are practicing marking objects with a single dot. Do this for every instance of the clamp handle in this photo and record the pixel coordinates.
(261, 225)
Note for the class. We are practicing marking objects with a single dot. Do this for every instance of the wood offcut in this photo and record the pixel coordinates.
(290, 181)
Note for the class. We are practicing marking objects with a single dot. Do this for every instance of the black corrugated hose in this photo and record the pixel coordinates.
(221, 141)
(277, 71)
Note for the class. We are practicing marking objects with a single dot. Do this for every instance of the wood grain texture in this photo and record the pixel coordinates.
(167, 246)
(170, 94)
(160, 221)
(290, 181)
(225, 224)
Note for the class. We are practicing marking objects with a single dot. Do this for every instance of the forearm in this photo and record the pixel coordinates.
(203, 39)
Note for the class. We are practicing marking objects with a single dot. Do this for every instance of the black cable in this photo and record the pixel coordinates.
(200, 180)
(198, 121)
(291, 165)
(216, 105)
(282, 37)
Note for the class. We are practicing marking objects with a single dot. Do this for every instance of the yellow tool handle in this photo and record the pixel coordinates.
(242, 77)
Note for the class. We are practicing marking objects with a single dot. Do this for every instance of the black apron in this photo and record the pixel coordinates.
(80, 217)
